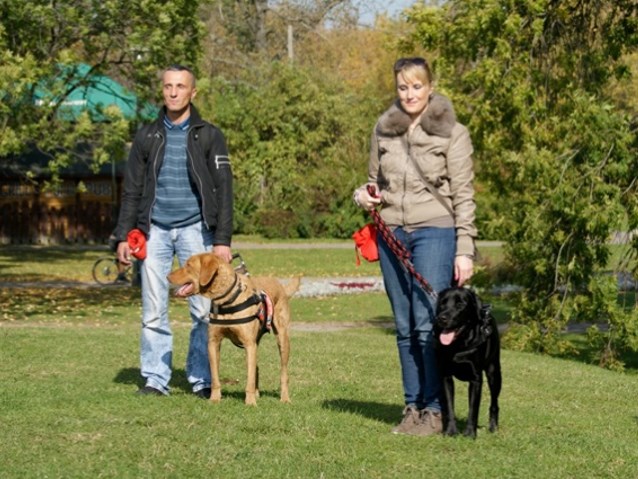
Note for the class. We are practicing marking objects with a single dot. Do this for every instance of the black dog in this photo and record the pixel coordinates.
(467, 343)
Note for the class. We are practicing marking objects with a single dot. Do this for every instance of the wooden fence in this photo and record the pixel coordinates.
(28, 216)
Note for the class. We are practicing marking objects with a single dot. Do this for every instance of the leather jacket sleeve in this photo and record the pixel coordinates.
(133, 189)
(221, 173)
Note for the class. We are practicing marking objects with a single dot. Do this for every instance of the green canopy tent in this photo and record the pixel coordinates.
(82, 90)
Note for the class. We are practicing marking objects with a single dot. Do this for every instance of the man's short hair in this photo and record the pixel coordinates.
(180, 68)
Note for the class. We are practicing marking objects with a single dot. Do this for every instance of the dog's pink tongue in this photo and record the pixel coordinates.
(447, 338)
(185, 290)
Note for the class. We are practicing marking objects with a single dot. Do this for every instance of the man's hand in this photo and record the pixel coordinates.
(124, 253)
(223, 252)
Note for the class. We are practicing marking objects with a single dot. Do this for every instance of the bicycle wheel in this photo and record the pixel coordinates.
(105, 270)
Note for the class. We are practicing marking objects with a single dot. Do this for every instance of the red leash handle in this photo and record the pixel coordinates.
(398, 248)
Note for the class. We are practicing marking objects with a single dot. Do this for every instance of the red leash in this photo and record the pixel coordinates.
(399, 250)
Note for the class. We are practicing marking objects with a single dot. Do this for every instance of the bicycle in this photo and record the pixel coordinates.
(108, 270)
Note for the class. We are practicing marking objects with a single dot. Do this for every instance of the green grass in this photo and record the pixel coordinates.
(70, 368)
(33, 263)
(69, 410)
(24, 263)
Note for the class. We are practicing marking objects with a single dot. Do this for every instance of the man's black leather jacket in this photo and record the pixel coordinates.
(208, 166)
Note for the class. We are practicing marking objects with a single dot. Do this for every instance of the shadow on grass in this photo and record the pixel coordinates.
(386, 413)
(383, 412)
(584, 352)
(134, 376)
(180, 382)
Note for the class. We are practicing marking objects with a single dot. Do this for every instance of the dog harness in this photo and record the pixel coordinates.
(484, 331)
(263, 313)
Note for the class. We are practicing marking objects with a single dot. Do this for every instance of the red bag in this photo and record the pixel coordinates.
(365, 242)
(137, 242)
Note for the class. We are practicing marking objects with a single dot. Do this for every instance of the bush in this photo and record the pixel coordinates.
(298, 142)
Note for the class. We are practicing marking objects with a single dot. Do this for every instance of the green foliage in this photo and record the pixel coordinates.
(558, 159)
(40, 40)
(296, 139)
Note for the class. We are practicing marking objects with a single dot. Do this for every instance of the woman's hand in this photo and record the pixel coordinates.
(365, 199)
(463, 269)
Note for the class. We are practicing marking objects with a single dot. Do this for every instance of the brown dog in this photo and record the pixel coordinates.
(238, 303)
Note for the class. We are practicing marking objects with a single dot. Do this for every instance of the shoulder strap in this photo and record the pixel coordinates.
(432, 189)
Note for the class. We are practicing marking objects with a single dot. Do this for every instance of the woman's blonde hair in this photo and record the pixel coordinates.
(415, 68)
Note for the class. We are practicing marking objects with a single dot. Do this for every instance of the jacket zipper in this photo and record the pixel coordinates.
(196, 175)
(150, 211)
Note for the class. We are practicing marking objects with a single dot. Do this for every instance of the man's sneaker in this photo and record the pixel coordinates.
(431, 423)
(411, 420)
(149, 391)
(203, 393)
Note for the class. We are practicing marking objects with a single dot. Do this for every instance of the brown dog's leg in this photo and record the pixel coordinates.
(251, 380)
(283, 342)
(257, 380)
(282, 327)
(214, 346)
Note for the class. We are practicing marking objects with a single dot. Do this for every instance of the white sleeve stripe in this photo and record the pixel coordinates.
(221, 160)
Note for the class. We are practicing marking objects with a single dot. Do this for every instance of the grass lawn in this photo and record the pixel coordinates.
(69, 410)
(70, 369)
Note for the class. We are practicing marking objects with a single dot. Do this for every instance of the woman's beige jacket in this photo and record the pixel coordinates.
(443, 150)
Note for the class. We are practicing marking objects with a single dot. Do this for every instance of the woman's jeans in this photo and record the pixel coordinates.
(433, 251)
(156, 344)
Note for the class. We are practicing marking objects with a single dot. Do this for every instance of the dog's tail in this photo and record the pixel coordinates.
(292, 286)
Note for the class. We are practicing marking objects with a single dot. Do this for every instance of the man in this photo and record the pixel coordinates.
(178, 192)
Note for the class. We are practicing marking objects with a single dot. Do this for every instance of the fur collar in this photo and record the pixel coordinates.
(438, 119)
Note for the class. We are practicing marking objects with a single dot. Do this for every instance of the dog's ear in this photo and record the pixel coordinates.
(474, 304)
(209, 265)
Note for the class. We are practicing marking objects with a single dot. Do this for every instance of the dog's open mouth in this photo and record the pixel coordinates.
(447, 337)
(185, 290)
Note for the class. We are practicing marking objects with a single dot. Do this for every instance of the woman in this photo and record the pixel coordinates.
(417, 148)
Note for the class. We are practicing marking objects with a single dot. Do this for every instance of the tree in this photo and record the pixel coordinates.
(298, 131)
(296, 138)
(557, 157)
(41, 41)
(246, 34)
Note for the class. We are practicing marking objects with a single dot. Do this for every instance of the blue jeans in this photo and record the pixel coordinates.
(156, 343)
(433, 251)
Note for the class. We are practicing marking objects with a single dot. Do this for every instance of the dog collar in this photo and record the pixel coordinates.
(227, 292)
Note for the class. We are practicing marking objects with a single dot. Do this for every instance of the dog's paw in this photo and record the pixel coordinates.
(451, 430)
(251, 399)
(470, 432)
(215, 396)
